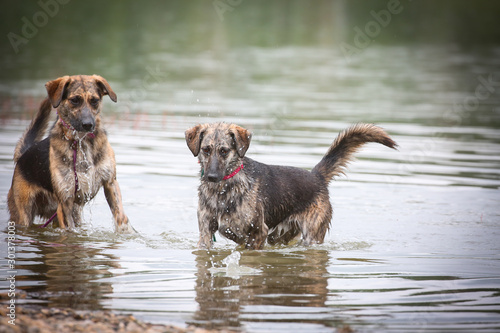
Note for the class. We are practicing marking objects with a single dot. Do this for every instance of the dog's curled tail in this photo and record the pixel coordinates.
(35, 130)
(346, 144)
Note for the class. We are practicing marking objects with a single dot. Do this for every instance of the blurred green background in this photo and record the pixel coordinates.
(111, 37)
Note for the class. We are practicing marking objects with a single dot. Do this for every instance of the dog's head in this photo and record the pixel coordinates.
(219, 147)
(78, 99)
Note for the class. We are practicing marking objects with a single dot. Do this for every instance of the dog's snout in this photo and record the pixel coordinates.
(87, 120)
(212, 169)
(88, 126)
(212, 177)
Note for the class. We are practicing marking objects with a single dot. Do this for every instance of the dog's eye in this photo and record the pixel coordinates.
(94, 101)
(223, 152)
(206, 150)
(75, 100)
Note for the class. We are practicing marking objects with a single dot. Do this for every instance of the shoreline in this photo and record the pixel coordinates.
(49, 320)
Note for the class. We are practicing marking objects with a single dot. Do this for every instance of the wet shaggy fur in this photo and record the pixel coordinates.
(44, 175)
(267, 202)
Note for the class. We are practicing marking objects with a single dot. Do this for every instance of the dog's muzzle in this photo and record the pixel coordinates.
(87, 121)
(212, 172)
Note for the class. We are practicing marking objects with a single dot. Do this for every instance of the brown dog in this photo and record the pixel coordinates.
(54, 177)
(247, 201)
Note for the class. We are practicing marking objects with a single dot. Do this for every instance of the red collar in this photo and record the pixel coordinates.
(233, 173)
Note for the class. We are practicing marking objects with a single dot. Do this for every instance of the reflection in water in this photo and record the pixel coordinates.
(278, 284)
(67, 270)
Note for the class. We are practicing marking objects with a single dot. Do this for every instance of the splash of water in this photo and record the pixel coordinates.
(232, 263)
(232, 268)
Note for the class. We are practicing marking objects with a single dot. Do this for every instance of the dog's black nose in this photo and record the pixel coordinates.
(212, 177)
(89, 127)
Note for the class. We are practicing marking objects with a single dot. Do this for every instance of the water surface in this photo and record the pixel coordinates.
(413, 244)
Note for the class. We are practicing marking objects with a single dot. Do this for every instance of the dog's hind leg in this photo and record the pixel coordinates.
(315, 222)
(23, 212)
(11, 203)
(283, 233)
(20, 202)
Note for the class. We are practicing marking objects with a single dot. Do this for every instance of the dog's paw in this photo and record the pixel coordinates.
(125, 228)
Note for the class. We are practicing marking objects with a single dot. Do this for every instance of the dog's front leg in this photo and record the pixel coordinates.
(257, 234)
(65, 215)
(114, 198)
(77, 215)
(257, 230)
(207, 225)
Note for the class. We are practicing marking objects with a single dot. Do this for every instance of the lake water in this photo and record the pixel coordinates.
(414, 243)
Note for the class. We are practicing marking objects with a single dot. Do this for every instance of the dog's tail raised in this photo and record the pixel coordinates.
(35, 130)
(346, 144)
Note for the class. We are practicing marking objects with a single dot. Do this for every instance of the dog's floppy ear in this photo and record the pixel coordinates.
(104, 86)
(241, 138)
(56, 89)
(194, 136)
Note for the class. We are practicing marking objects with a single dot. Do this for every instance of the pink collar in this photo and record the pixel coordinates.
(74, 146)
(234, 173)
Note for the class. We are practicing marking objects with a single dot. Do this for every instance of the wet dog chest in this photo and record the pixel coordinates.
(221, 200)
(92, 170)
(230, 206)
(81, 170)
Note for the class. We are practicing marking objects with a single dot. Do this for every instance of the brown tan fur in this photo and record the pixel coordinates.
(44, 180)
(267, 202)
